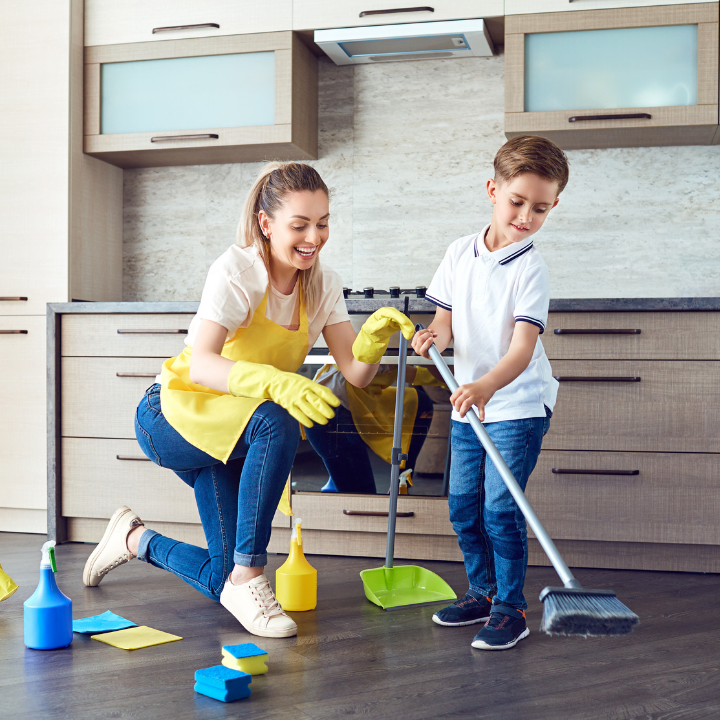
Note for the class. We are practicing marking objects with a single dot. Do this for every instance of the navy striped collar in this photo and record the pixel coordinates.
(505, 255)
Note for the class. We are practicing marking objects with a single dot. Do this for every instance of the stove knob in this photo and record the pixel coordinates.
(369, 292)
(420, 291)
(394, 292)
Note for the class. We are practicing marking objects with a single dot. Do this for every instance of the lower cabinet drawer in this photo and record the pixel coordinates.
(320, 511)
(671, 498)
(672, 408)
(95, 483)
(100, 394)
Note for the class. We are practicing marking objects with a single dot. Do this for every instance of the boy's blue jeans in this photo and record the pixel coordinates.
(491, 529)
(236, 501)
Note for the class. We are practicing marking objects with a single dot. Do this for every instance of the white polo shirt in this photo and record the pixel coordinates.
(488, 292)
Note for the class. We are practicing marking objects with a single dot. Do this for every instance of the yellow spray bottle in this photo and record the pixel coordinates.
(296, 578)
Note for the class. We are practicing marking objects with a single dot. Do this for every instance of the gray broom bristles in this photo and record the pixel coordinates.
(588, 613)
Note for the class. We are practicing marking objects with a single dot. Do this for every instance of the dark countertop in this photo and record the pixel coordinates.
(362, 305)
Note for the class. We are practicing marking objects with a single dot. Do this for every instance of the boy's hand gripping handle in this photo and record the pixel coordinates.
(508, 478)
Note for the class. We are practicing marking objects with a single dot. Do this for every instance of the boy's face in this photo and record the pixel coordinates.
(522, 204)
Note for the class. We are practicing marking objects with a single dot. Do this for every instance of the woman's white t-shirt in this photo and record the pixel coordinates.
(236, 284)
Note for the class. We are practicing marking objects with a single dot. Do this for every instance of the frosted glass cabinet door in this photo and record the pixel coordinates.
(190, 93)
(619, 68)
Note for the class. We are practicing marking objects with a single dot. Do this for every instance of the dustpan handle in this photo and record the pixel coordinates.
(397, 453)
(508, 478)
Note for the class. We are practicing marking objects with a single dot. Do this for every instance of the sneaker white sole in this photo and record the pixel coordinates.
(481, 645)
(262, 632)
(112, 524)
(437, 620)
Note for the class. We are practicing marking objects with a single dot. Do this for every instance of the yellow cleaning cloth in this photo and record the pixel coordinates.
(7, 586)
(136, 638)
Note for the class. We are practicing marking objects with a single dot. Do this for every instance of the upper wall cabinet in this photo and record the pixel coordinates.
(519, 7)
(318, 14)
(237, 98)
(614, 78)
(109, 22)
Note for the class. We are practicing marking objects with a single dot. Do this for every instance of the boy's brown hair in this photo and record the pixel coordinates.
(532, 154)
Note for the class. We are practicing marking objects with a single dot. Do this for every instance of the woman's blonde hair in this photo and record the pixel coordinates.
(275, 181)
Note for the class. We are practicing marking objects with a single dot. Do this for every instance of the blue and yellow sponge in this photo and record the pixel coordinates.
(221, 683)
(247, 658)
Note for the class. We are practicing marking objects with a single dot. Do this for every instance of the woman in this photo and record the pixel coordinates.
(225, 416)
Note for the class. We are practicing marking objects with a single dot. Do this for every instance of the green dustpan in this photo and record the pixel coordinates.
(395, 587)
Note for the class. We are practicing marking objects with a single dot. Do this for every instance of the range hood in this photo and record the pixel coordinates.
(412, 41)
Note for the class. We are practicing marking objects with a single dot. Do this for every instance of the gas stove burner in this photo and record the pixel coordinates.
(394, 292)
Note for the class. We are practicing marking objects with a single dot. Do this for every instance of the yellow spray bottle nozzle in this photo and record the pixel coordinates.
(296, 533)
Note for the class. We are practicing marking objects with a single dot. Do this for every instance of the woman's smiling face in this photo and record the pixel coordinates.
(299, 229)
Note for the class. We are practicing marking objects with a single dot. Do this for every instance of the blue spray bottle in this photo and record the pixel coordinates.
(48, 612)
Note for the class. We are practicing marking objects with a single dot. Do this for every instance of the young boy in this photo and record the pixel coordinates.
(492, 292)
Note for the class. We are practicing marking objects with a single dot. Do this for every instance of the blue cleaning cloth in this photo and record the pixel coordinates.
(244, 650)
(106, 622)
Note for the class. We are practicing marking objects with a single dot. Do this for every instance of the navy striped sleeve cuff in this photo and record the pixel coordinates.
(532, 321)
(437, 302)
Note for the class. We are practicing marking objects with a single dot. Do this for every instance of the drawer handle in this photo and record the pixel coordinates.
(131, 374)
(133, 457)
(12, 299)
(425, 8)
(624, 331)
(562, 471)
(376, 513)
(13, 332)
(123, 331)
(569, 378)
(621, 116)
(201, 136)
(198, 26)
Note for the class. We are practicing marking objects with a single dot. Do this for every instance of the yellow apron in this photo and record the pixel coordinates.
(373, 412)
(211, 420)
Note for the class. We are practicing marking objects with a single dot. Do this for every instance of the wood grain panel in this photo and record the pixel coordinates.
(23, 444)
(304, 93)
(317, 14)
(133, 21)
(519, 7)
(23, 520)
(674, 499)
(514, 73)
(91, 119)
(96, 483)
(97, 335)
(663, 336)
(672, 409)
(322, 512)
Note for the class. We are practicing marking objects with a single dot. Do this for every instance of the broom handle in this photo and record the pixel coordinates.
(508, 478)
(396, 456)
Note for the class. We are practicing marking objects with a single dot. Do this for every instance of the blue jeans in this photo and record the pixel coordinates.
(236, 501)
(491, 529)
(345, 453)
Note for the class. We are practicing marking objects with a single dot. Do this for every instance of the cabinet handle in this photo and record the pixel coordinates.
(376, 513)
(198, 26)
(425, 8)
(133, 457)
(201, 136)
(561, 471)
(13, 332)
(12, 299)
(621, 116)
(624, 331)
(133, 374)
(123, 331)
(568, 378)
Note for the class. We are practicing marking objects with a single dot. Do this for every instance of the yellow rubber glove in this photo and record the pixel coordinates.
(375, 334)
(307, 401)
(7, 586)
(424, 377)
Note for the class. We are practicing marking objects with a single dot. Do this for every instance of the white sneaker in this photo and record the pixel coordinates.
(111, 551)
(254, 605)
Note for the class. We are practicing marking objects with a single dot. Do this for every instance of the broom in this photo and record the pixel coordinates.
(568, 610)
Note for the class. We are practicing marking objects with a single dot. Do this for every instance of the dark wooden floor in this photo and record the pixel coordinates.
(352, 659)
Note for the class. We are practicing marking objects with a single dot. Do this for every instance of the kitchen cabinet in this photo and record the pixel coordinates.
(110, 23)
(614, 78)
(519, 7)
(236, 98)
(319, 14)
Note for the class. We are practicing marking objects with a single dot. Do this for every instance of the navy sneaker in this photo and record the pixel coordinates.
(502, 631)
(467, 611)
